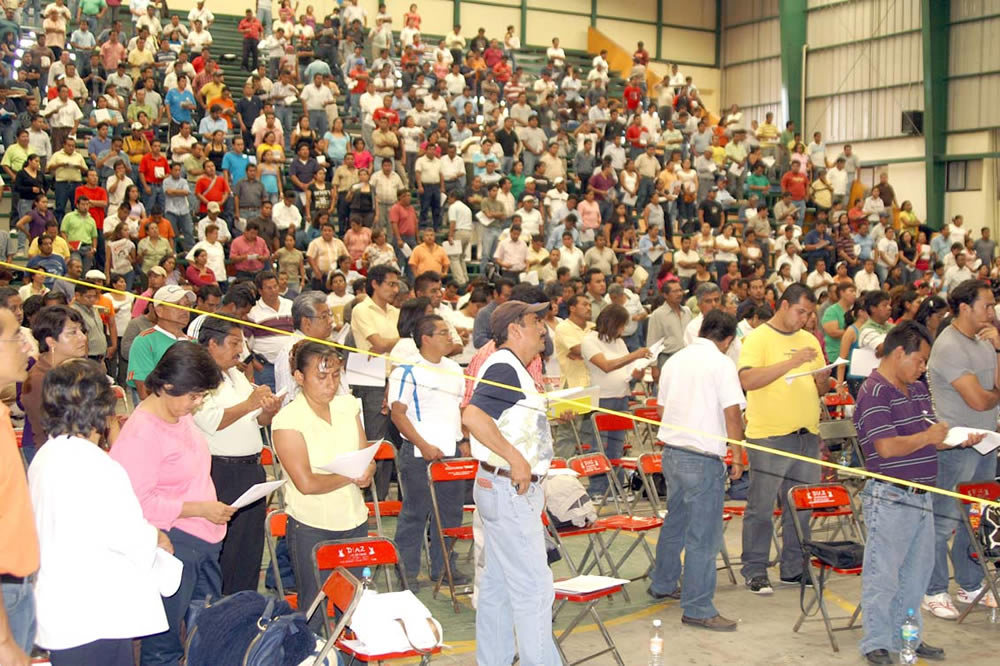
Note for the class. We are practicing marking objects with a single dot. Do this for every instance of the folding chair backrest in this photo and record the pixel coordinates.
(344, 592)
(590, 464)
(651, 463)
(386, 451)
(266, 457)
(986, 490)
(277, 524)
(838, 429)
(558, 463)
(819, 497)
(612, 423)
(355, 553)
(456, 469)
(728, 458)
(651, 413)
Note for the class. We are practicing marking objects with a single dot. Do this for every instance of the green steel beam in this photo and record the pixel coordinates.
(793, 38)
(456, 14)
(934, 16)
(524, 21)
(718, 33)
(593, 13)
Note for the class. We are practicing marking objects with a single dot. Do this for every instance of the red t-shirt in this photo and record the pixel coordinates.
(383, 112)
(634, 135)
(795, 183)
(94, 194)
(148, 168)
(213, 191)
(633, 95)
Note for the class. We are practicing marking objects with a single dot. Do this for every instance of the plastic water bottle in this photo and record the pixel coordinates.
(366, 579)
(656, 644)
(911, 639)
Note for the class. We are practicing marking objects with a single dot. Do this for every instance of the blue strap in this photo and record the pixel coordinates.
(408, 373)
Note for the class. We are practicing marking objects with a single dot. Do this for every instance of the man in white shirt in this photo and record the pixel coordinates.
(700, 391)
(201, 13)
(957, 274)
(199, 38)
(424, 404)
(230, 418)
(316, 97)
(286, 214)
(531, 217)
(452, 170)
(838, 181)
(512, 255)
(819, 280)
(867, 280)
(709, 298)
(570, 256)
(459, 231)
(792, 258)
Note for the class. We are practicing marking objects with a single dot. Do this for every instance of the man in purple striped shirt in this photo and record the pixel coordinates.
(899, 440)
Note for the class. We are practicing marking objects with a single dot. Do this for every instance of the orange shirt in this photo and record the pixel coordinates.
(225, 104)
(18, 539)
(166, 229)
(434, 259)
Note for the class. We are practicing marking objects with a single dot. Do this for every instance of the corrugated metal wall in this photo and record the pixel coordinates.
(751, 57)
(974, 66)
(864, 68)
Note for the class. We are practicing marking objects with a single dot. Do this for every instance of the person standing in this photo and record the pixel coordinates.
(780, 415)
(251, 30)
(424, 401)
(962, 375)
(273, 311)
(375, 324)
(898, 441)
(229, 418)
(700, 389)
(19, 556)
(669, 321)
(510, 437)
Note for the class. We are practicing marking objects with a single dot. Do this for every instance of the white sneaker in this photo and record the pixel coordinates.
(988, 599)
(940, 605)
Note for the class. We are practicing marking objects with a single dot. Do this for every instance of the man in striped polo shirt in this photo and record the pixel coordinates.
(899, 439)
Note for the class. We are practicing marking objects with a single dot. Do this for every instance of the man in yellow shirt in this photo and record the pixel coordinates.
(781, 415)
(767, 135)
(374, 321)
(568, 338)
(429, 256)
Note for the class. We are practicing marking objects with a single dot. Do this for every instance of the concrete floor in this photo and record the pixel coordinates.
(765, 635)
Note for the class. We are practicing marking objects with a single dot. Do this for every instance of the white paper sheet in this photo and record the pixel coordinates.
(167, 569)
(352, 464)
(365, 370)
(959, 434)
(452, 248)
(406, 250)
(642, 363)
(768, 161)
(863, 362)
(839, 361)
(587, 584)
(256, 492)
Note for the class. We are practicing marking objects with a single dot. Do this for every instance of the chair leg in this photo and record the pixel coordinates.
(724, 551)
(604, 632)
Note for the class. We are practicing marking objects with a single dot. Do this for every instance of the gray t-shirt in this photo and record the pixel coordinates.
(952, 356)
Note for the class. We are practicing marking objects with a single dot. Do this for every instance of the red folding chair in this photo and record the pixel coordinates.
(595, 464)
(372, 552)
(647, 431)
(342, 591)
(450, 471)
(276, 527)
(19, 438)
(971, 516)
(819, 497)
(734, 510)
(384, 508)
(589, 601)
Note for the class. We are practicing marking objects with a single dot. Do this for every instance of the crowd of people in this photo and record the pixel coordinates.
(445, 206)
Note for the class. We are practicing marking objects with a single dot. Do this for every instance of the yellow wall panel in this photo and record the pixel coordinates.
(685, 12)
(644, 10)
(494, 19)
(543, 26)
(627, 34)
(687, 45)
(582, 6)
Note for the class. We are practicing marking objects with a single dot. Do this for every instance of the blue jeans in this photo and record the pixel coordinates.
(265, 376)
(801, 205)
(301, 540)
(430, 205)
(64, 195)
(614, 446)
(183, 229)
(956, 466)
(772, 476)
(202, 578)
(283, 113)
(155, 197)
(318, 121)
(530, 160)
(514, 609)
(19, 602)
(418, 510)
(899, 557)
(695, 492)
(488, 239)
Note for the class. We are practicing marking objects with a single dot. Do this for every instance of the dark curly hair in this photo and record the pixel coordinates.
(186, 367)
(77, 399)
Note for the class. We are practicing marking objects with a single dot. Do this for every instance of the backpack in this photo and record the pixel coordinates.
(247, 629)
(567, 501)
(989, 531)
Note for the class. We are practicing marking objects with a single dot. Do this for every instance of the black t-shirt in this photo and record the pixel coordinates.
(712, 212)
(507, 141)
(493, 399)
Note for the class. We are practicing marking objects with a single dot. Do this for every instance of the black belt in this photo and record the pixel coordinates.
(800, 431)
(504, 472)
(239, 460)
(10, 579)
(904, 487)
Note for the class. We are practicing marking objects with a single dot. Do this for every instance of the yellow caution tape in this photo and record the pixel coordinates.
(756, 447)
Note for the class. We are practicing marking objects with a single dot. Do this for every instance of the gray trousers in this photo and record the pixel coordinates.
(771, 476)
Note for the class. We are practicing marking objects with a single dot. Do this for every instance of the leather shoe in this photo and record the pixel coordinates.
(458, 578)
(676, 594)
(878, 657)
(717, 623)
(930, 652)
